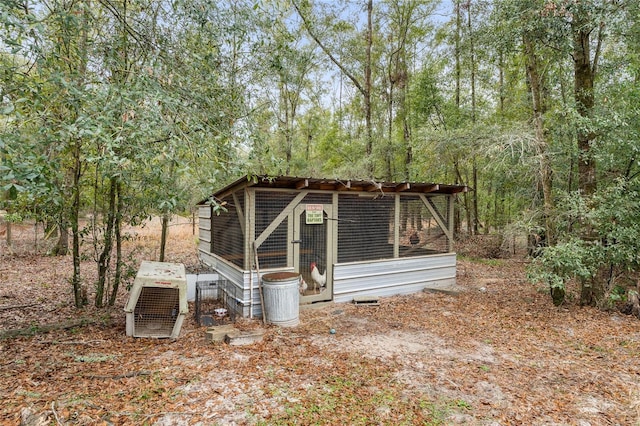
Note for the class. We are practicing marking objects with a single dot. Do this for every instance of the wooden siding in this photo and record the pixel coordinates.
(204, 223)
(204, 211)
(204, 234)
(204, 228)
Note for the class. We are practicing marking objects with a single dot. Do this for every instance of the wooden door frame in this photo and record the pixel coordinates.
(328, 209)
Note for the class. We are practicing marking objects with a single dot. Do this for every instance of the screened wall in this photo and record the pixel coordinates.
(365, 227)
(420, 232)
(227, 237)
(273, 251)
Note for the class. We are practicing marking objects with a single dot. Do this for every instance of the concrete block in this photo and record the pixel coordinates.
(450, 290)
(241, 338)
(218, 333)
(366, 300)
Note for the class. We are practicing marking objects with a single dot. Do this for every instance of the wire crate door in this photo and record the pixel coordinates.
(312, 250)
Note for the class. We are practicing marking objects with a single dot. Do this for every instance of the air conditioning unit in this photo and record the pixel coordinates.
(157, 302)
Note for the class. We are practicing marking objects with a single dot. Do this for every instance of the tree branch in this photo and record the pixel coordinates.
(596, 56)
(7, 308)
(118, 376)
(324, 48)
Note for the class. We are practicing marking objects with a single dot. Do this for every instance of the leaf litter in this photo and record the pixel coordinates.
(497, 353)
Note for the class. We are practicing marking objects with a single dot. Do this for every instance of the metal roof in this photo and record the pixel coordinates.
(341, 185)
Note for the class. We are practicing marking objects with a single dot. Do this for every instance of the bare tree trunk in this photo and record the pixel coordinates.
(476, 218)
(584, 73)
(118, 235)
(79, 292)
(62, 245)
(460, 181)
(501, 82)
(398, 75)
(8, 237)
(472, 59)
(389, 155)
(458, 73)
(539, 109)
(163, 237)
(634, 301)
(104, 260)
(367, 81)
(364, 88)
(584, 95)
(408, 157)
(457, 52)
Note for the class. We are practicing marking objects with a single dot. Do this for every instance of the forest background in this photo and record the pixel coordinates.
(112, 111)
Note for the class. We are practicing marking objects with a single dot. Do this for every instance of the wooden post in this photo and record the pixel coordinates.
(255, 253)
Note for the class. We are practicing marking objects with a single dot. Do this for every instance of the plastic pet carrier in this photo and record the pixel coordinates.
(157, 302)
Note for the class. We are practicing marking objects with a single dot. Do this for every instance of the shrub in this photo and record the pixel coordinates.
(598, 242)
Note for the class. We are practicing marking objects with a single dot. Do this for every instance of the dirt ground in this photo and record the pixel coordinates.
(496, 353)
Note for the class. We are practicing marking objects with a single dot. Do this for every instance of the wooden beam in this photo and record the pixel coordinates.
(403, 187)
(278, 220)
(343, 186)
(374, 187)
(240, 213)
(302, 183)
(396, 227)
(451, 219)
(440, 220)
(453, 189)
(432, 188)
(326, 186)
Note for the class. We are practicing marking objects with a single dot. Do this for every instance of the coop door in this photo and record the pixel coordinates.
(312, 243)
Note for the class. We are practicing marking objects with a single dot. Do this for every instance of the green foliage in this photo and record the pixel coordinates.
(13, 218)
(611, 216)
(564, 261)
(168, 101)
(108, 103)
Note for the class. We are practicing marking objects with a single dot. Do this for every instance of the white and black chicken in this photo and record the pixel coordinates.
(319, 280)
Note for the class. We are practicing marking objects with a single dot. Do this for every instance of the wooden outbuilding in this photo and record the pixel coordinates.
(365, 238)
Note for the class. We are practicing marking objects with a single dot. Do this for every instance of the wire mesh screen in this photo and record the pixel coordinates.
(365, 227)
(313, 242)
(273, 251)
(419, 232)
(210, 303)
(231, 297)
(156, 312)
(226, 232)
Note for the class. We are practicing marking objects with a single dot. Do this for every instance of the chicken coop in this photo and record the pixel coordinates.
(347, 239)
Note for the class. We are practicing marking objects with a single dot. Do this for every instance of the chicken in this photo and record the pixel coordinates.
(318, 280)
(303, 286)
(414, 238)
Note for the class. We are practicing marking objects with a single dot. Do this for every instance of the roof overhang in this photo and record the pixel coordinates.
(341, 185)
